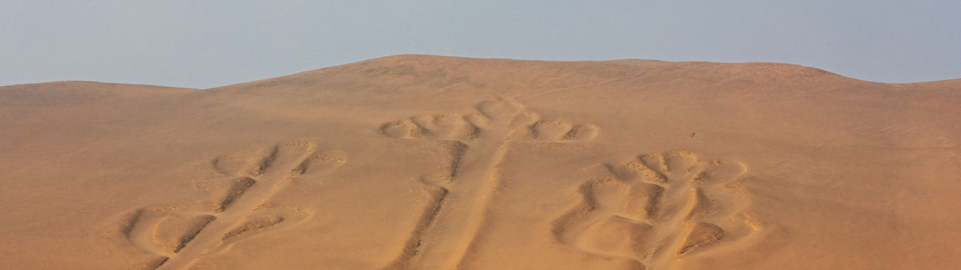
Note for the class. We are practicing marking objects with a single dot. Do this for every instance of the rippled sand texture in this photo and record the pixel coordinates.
(426, 162)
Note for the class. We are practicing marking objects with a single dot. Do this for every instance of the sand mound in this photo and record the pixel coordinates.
(424, 162)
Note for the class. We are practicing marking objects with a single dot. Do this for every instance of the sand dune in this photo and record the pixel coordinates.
(426, 162)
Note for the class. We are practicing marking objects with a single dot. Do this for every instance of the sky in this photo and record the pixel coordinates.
(204, 44)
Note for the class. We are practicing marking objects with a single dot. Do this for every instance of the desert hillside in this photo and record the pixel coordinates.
(427, 162)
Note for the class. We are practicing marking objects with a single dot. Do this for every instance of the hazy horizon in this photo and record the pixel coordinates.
(202, 45)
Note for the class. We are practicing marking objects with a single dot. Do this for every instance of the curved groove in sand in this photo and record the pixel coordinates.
(658, 209)
(185, 234)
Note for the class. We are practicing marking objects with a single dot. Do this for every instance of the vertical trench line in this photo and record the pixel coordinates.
(488, 187)
(489, 183)
(453, 231)
(415, 245)
(452, 224)
(478, 215)
(674, 226)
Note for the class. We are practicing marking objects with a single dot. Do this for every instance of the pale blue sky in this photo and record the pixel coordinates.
(212, 43)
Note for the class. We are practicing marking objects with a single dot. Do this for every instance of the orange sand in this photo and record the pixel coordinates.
(424, 162)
